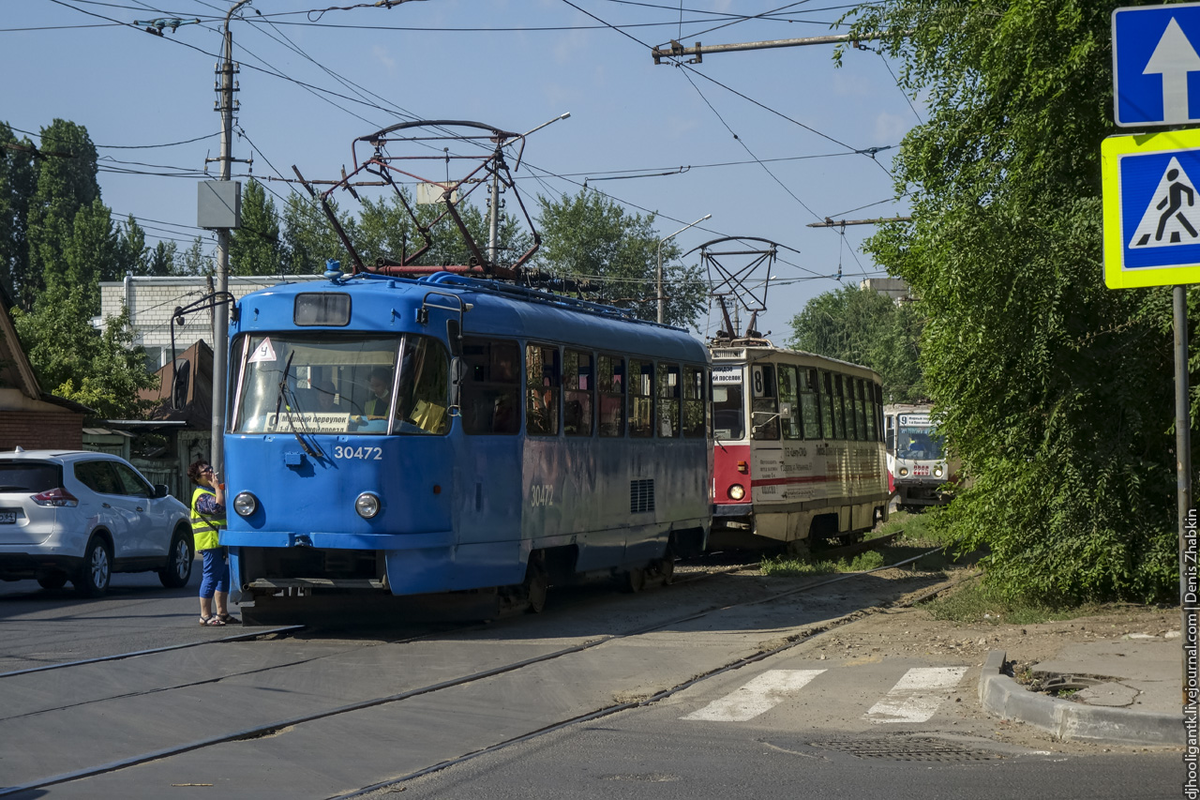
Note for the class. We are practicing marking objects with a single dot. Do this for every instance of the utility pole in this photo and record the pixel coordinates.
(221, 311)
(658, 273)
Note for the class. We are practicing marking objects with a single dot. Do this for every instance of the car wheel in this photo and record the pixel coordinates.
(178, 568)
(96, 570)
(52, 580)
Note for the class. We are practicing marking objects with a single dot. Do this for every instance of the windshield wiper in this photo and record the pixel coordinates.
(287, 398)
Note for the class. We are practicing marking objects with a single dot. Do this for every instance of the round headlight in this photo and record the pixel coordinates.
(367, 505)
(903, 471)
(737, 492)
(245, 504)
(937, 471)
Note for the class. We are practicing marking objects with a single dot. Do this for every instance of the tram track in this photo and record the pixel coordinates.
(274, 726)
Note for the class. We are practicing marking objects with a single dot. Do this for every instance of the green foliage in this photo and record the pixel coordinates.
(974, 603)
(75, 361)
(791, 567)
(255, 248)
(18, 177)
(588, 237)
(310, 239)
(1056, 392)
(868, 328)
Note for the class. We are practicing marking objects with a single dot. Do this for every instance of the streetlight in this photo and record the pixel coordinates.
(659, 272)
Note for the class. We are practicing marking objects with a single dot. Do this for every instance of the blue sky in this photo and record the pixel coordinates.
(765, 141)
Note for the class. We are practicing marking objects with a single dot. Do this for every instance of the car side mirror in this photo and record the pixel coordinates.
(161, 490)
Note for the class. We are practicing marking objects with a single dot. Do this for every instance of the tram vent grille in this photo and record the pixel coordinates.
(641, 496)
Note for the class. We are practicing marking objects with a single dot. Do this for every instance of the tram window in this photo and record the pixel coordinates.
(851, 404)
(668, 401)
(641, 398)
(694, 407)
(492, 389)
(764, 416)
(789, 394)
(809, 407)
(890, 435)
(423, 388)
(543, 383)
(579, 387)
(729, 413)
(867, 410)
(611, 386)
(829, 418)
(879, 409)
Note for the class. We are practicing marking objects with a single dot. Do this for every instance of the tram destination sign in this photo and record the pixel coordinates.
(1151, 209)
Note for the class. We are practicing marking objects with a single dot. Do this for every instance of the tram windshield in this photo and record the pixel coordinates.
(310, 383)
(729, 415)
(921, 444)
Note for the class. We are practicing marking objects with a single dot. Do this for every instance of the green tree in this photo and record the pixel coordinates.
(309, 237)
(193, 261)
(868, 328)
(161, 260)
(590, 238)
(256, 248)
(18, 177)
(66, 182)
(1056, 392)
(73, 360)
(133, 256)
(91, 252)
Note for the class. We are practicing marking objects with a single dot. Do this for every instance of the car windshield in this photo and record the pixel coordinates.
(922, 444)
(318, 383)
(29, 476)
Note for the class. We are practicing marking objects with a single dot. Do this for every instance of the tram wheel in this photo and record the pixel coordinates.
(666, 568)
(635, 580)
(536, 586)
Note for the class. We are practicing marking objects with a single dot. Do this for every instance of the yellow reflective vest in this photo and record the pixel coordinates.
(204, 528)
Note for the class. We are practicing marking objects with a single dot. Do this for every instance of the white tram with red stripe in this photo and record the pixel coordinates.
(919, 465)
(798, 451)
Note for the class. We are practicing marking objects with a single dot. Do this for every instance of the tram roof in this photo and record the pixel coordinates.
(495, 309)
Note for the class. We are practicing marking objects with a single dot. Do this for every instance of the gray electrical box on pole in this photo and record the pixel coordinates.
(219, 205)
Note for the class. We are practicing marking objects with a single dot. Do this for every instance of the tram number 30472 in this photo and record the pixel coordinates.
(364, 453)
(541, 494)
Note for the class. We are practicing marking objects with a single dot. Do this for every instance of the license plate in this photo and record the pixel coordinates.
(8, 517)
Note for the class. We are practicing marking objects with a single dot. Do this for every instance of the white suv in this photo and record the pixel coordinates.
(80, 516)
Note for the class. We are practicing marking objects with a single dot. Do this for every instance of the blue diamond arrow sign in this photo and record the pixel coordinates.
(1156, 65)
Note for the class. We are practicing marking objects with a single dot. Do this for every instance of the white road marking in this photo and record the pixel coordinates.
(759, 695)
(916, 697)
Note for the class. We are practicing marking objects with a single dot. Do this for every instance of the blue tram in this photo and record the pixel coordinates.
(446, 434)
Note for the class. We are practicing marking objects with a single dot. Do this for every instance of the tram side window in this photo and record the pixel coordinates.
(492, 390)
(809, 409)
(764, 417)
(829, 419)
(668, 401)
(611, 371)
(866, 410)
(694, 407)
(424, 387)
(580, 383)
(789, 397)
(641, 398)
(879, 409)
(543, 383)
(839, 409)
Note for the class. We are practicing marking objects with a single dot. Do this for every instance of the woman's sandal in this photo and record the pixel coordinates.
(214, 620)
(228, 619)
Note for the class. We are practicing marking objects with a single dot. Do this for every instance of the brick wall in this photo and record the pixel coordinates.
(37, 431)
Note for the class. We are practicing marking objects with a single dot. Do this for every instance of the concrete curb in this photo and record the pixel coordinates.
(1003, 697)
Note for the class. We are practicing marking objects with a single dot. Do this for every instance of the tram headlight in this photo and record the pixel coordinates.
(937, 471)
(245, 504)
(903, 471)
(367, 505)
(737, 492)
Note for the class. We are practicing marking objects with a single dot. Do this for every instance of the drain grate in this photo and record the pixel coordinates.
(910, 749)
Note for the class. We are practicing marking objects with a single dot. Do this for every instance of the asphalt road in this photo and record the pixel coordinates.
(692, 690)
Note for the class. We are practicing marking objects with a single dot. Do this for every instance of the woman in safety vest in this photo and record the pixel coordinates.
(208, 517)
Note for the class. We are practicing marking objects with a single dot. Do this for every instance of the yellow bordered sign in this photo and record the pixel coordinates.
(1151, 209)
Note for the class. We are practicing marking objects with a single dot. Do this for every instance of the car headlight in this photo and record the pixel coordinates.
(245, 504)
(367, 505)
(937, 471)
(737, 492)
(903, 471)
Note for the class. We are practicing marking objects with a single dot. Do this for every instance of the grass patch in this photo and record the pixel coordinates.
(976, 602)
(918, 529)
(793, 567)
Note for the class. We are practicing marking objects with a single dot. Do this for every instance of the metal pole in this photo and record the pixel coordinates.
(658, 272)
(1183, 468)
(221, 313)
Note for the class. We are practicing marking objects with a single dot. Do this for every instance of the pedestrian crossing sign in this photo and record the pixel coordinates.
(1151, 189)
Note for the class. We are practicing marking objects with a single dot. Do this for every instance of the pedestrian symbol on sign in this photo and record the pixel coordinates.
(1173, 216)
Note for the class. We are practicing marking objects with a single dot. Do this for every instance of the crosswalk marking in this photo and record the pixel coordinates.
(759, 695)
(916, 697)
